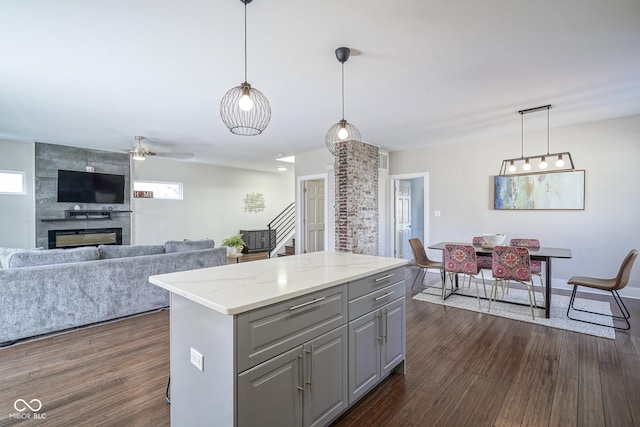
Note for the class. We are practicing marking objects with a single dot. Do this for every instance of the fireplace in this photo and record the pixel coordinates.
(84, 237)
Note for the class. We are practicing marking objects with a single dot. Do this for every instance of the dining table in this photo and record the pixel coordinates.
(543, 253)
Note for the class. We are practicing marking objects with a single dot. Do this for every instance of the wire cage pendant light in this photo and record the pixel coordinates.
(543, 162)
(244, 109)
(343, 130)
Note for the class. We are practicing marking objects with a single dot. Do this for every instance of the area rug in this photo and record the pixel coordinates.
(559, 304)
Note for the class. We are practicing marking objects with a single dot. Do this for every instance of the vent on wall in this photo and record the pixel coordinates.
(383, 161)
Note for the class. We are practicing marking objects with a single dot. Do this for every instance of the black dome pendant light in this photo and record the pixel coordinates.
(244, 109)
(343, 130)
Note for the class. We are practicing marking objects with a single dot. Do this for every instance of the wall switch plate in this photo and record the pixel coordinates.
(197, 359)
(436, 213)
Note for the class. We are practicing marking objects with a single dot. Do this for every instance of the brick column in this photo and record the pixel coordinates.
(356, 176)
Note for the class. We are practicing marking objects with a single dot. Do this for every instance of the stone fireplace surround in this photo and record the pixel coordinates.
(48, 159)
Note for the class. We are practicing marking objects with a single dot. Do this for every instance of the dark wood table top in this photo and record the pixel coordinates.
(542, 252)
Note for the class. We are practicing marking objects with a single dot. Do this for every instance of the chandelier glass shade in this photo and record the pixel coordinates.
(244, 109)
(548, 162)
(343, 130)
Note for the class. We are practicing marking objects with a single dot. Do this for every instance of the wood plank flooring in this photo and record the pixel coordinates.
(463, 369)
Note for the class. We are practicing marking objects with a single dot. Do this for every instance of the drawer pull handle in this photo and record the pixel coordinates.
(379, 279)
(381, 297)
(304, 304)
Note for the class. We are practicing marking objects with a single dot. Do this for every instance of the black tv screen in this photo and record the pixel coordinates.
(89, 187)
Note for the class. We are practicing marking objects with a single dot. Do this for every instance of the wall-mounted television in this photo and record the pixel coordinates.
(90, 187)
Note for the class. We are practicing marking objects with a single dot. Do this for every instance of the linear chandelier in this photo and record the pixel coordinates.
(549, 162)
(244, 109)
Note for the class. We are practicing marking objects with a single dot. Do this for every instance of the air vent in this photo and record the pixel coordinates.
(383, 161)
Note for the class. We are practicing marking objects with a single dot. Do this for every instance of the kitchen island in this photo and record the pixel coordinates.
(285, 341)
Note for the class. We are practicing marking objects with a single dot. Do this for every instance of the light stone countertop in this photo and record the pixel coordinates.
(237, 288)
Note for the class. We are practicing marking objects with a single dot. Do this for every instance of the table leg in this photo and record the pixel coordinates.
(547, 294)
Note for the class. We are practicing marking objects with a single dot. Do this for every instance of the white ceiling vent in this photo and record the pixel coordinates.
(383, 161)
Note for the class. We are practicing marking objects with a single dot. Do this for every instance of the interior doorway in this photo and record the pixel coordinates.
(313, 214)
(409, 207)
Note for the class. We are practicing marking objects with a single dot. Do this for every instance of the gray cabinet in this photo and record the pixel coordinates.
(258, 240)
(306, 386)
(376, 338)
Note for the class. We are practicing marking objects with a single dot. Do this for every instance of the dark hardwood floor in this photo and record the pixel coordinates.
(463, 369)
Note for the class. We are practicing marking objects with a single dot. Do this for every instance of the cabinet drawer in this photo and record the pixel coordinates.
(266, 332)
(374, 300)
(363, 286)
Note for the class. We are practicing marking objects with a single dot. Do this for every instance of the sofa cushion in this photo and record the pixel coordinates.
(51, 256)
(187, 245)
(5, 252)
(124, 251)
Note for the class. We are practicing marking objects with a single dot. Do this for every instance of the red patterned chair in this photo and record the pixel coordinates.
(461, 259)
(484, 261)
(536, 265)
(512, 263)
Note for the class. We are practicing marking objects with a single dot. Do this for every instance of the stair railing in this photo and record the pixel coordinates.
(281, 226)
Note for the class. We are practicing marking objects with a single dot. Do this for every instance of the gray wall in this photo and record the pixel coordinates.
(461, 187)
(48, 159)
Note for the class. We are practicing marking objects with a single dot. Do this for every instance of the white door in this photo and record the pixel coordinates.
(403, 219)
(314, 215)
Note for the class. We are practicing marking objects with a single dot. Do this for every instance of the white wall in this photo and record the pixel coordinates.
(213, 205)
(17, 212)
(461, 187)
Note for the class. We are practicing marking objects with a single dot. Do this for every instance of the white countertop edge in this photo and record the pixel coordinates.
(275, 298)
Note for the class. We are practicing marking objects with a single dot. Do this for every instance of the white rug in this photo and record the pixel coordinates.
(559, 304)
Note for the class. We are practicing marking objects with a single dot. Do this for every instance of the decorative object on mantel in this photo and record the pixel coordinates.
(254, 202)
(343, 130)
(244, 109)
(235, 244)
(558, 190)
(544, 162)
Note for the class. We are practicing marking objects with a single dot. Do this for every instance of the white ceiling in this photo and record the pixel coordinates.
(96, 73)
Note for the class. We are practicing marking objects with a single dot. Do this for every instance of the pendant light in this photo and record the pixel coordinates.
(343, 130)
(509, 166)
(244, 109)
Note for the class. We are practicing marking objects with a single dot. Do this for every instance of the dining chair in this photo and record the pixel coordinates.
(512, 263)
(484, 261)
(422, 260)
(536, 264)
(612, 285)
(461, 259)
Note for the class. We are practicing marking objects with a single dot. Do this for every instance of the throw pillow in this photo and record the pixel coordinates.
(187, 245)
(51, 256)
(125, 251)
(5, 252)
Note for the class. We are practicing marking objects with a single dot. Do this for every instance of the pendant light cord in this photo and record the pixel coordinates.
(548, 130)
(245, 41)
(342, 90)
(521, 135)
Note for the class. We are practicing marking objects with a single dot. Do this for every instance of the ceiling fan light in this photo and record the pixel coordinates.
(138, 156)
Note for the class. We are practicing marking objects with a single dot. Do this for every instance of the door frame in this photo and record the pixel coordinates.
(392, 208)
(301, 228)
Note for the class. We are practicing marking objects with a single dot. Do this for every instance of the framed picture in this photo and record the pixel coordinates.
(551, 190)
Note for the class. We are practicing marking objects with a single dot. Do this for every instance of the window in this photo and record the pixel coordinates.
(161, 190)
(12, 182)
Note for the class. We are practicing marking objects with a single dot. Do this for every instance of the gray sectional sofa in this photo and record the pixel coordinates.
(45, 291)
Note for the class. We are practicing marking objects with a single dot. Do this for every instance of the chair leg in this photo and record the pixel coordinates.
(424, 271)
(623, 309)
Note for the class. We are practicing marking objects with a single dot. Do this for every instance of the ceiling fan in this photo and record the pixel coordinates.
(140, 152)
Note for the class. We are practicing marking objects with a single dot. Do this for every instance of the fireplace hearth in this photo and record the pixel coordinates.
(84, 237)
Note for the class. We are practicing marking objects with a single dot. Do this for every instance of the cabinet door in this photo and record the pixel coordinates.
(270, 394)
(393, 335)
(325, 377)
(364, 355)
